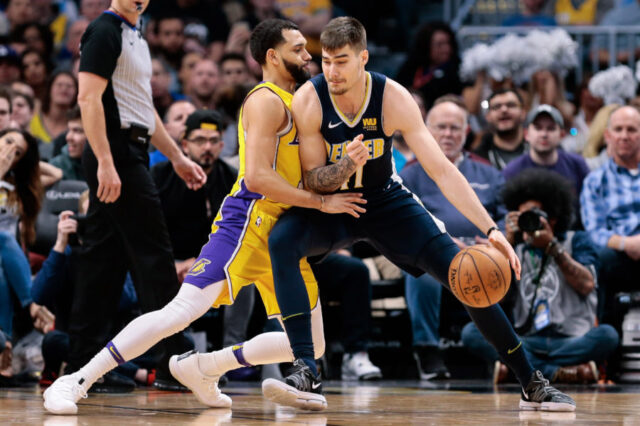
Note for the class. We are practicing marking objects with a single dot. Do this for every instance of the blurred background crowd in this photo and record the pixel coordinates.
(534, 101)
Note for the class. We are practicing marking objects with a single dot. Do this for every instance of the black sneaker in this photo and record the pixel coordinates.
(113, 382)
(165, 381)
(430, 363)
(300, 389)
(538, 395)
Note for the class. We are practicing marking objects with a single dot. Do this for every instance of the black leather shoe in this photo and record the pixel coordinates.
(113, 382)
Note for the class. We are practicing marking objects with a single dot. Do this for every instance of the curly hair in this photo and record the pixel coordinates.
(552, 190)
(25, 175)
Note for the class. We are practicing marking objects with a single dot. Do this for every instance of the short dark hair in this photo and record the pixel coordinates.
(6, 94)
(74, 114)
(344, 31)
(232, 56)
(506, 90)
(551, 189)
(268, 35)
(27, 97)
(166, 18)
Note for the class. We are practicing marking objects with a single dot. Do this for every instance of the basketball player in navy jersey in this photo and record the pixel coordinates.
(345, 119)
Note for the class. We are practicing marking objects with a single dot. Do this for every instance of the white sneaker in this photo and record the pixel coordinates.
(62, 395)
(357, 366)
(186, 369)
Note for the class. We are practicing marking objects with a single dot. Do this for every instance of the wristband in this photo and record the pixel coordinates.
(621, 243)
(490, 230)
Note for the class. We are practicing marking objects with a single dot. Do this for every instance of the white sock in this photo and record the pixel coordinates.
(265, 348)
(99, 365)
(146, 330)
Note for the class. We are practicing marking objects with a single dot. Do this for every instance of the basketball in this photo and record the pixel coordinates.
(479, 276)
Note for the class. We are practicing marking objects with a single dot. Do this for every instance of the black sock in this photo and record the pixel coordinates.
(496, 328)
(298, 328)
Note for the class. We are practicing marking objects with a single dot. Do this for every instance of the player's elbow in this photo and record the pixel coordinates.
(253, 182)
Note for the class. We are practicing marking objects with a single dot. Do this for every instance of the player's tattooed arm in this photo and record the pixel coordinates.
(327, 179)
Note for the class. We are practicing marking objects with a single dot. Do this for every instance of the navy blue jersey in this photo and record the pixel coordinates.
(338, 130)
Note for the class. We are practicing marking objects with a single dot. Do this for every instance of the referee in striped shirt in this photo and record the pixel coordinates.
(125, 229)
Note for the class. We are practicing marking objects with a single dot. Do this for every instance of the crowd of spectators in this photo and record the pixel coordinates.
(584, 190)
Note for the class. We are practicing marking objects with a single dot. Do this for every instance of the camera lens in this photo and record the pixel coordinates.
(529, 221)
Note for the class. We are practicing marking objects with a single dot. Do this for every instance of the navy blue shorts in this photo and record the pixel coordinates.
(395, 223)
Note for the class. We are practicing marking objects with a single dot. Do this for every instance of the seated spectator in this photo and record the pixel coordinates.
(234, 70)
(21, 109)
(433, 63)
(5, 108)
(161, 92)
(20, 12)
(532, 15)
(20, 188)
(71, 49)
(595, 151)
(544, 132)
(555, 301)
(188, 213)
(34, 70)
(51, 121)
(189, 61)
(69, 161)
(169, 31)
(33, 36)
(505, 139)
(611, 206)
(205, 78)
(174, 120)
(588, 107)
(447, 122)
(9, 65)
(53, 288)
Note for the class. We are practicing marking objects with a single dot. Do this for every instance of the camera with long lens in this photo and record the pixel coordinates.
(529, 221)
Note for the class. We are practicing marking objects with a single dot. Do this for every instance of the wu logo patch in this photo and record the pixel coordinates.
(198, 267)
(370, 124)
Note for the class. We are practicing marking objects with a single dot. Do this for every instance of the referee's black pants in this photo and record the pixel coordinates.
(128, 235)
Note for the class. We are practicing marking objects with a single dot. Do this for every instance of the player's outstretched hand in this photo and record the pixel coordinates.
(344, 203)
(357, 152)
(191, 173)
(499, 241)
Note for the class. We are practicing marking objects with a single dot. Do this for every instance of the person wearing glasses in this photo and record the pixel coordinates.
(189, 213)
(505, 139)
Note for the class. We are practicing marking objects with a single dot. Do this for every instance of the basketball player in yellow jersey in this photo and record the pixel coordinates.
(236, 254)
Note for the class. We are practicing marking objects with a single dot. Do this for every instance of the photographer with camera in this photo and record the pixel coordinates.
(554, 303)
(53, 288)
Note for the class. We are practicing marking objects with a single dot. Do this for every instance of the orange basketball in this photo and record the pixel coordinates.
(479, 276)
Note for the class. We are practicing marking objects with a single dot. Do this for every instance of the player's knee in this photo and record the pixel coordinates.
(284, 241)
(177, 315)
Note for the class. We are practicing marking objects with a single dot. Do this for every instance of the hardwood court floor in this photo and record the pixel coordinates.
(381, 403)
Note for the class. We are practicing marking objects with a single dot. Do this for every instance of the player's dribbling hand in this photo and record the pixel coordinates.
(344, 203)
(357, 152)
(499, 241)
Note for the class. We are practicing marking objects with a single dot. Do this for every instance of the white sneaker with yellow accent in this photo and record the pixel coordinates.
(186, 369)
